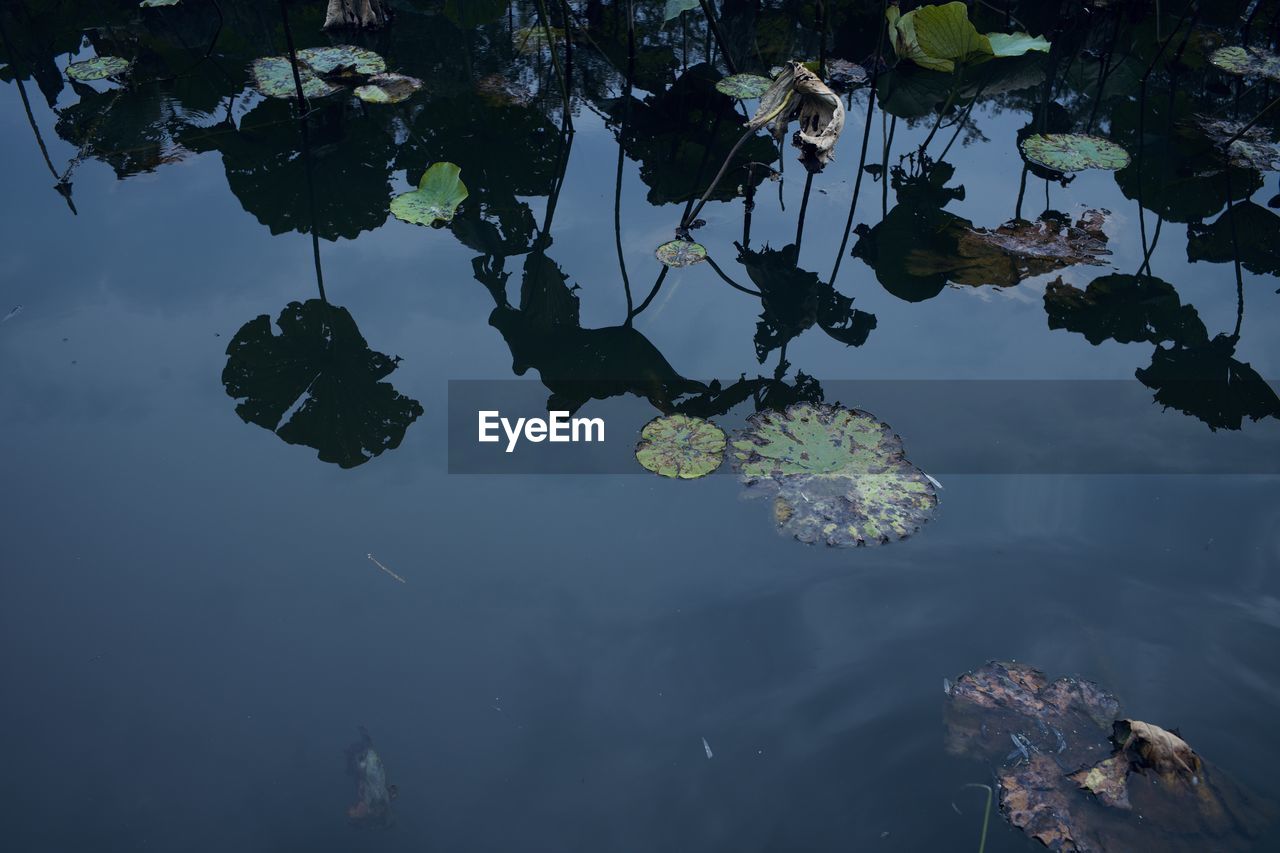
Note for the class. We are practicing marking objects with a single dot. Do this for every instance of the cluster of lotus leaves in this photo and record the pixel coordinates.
(681, 446)
(1073, 152)
(324, 71)
(837, 476)
(938, 37)
(98, 68)
(436, 199)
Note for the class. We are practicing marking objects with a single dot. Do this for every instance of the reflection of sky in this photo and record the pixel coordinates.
(221, 574)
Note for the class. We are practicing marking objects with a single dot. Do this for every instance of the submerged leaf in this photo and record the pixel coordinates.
(342, 60)
(1073, 152)
(273, 77)
(681, 446)
(681, 253)
(388, 88)
(1247, 62)
(836, 475)
(743, 86)
(98, 68)
(436, 199)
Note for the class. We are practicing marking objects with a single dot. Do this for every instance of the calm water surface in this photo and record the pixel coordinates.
(192, 633)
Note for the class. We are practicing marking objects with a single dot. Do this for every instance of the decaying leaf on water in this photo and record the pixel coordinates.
(388, 88)
(681, 447)
(843, 74)
(98, 68)
(1247, 62)
(1253, 150)
(435, 200)
(743, 86)
(1016, 250)
(681, 253)
(837, 476)
(798, 93)
(1075, 778)
(342, 60)
(1073, 152)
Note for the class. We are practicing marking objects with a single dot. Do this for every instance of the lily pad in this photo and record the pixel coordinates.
(273, 77)
(1254, 149)
(1247, 62)
(681, 446)
(939, 37)
(681, 253)
(388, 88)
(98, 68)
(743, 86)
(1073, 152)
(836, 475)
(436, 199)
(342, 60)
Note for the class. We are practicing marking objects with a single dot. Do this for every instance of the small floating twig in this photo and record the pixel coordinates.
(374, 560)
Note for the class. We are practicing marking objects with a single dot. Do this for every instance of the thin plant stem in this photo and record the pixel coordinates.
(555, 60)
(804, 205)
(986, 815)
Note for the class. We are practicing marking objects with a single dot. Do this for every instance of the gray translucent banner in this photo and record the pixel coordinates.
(947, 426)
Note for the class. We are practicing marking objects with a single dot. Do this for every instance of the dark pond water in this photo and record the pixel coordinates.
(192, 631)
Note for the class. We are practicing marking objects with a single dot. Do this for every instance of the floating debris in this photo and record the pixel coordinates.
(17, 309)
(374, 560)
(706, 747)
(372, 807)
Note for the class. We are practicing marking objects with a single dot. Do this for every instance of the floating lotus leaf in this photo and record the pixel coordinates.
(152, 4)
(836, 475)
(1073, 152)
(938, 37)
(388, 88)
(675, 7)
(273, 77)
(342, 60)
(681, 446)
(436, 199)
(681, 253)
(744, 86)
(1252, 150)
(98, 68)
(1247, 62)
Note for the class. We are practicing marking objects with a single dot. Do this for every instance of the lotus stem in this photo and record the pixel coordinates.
(986, 816)
(555, 60)
(293, 56)
(724, 167)
(710, 15)
(1249, 125)
(804, 205)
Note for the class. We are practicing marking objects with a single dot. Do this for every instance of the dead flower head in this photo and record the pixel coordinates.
(798, 93)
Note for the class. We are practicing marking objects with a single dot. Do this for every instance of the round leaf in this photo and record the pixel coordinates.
(1247, 62)
(837, 475)
(681, 446)
(436, 199)
(342, 60)
(743, 86)
(681, 253)
(388, 88)
(1073, 152)
(98, 68)
(273, 77)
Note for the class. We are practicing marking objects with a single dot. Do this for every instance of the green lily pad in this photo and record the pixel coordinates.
(273, 77)
(1073, 152)
(836, 475)
(98, 68)
(938, 37)
(342, 60)
(1247, 62)
(436, 199)
(743, 86)
(388, 88)
(681, 253)
(681, 446)
(154, 4)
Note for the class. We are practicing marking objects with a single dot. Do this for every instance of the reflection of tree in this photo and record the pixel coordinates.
(317, 383)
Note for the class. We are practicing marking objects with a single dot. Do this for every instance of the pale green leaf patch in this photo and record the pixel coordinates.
(681, 447)
(1073, 152)
(98, 68)
(681, 253)
(435, 200)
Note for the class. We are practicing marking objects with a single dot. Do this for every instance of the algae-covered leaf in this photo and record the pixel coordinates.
(675, 7)
(388, 88)
(436, 199)
(681, 253)
(152, 4)
(1016, 44)
(836, 475)
(273, 77)
(1247, 62)
(681, 446)
(1245, 147)
(743, 86)
(342, 60)
(98, 68)
(1073, 152)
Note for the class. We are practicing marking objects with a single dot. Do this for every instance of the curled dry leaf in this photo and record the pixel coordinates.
(798, 93)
